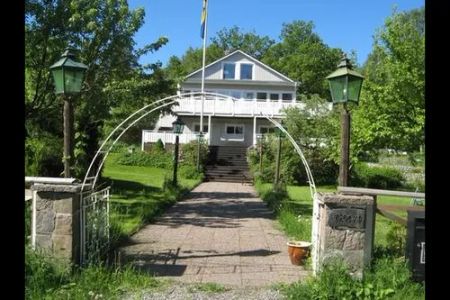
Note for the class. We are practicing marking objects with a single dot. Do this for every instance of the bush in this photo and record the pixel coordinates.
(189, 153)
(389, 278)
(190, 172)
(292, 170)
(376, 177)
(156, 159)
(43, 156)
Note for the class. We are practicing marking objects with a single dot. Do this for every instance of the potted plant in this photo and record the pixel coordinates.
(298, 251)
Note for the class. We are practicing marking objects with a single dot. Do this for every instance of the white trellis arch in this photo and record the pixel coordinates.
(135, 117)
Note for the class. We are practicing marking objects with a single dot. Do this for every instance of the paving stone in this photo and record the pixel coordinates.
(220, 233)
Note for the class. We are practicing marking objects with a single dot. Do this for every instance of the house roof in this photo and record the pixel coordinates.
(249, 57)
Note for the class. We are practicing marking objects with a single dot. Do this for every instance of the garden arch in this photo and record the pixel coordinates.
(92, 173)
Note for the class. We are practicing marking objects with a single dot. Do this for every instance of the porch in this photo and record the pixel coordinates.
(222, 105)
(218, 131)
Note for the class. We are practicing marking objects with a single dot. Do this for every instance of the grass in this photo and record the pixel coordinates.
(295, 217)
(388, 277)
(138, 194)
(47, 278)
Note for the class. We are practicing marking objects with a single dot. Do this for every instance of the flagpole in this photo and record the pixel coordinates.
(203, 66)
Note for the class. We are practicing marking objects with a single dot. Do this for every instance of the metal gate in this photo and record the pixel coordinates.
(94, 223)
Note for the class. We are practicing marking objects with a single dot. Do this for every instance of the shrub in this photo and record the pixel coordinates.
(43, 156)
(189, 172)
(151, 159)
(189, 153)
(292, 170)
(158, 146)
(376, 177)
(389, 278)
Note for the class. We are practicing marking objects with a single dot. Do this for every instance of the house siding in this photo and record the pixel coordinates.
(261, 73)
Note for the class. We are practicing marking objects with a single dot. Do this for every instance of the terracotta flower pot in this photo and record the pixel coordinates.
(298, 251)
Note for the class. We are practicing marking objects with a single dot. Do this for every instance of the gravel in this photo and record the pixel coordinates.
(184, 291)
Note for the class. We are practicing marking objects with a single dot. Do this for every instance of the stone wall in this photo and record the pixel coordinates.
(346, 230)
(58, 220)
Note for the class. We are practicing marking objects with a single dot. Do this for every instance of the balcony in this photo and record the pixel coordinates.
(222, 105)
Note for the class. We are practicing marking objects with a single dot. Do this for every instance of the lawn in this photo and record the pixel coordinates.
(138, 194)
(296, 218)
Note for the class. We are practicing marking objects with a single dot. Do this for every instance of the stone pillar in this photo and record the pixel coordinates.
(57, 220)
(345, 230)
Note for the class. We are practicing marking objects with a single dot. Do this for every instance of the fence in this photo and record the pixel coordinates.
(94, 225)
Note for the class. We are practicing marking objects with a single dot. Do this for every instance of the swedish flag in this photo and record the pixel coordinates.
(203, 20)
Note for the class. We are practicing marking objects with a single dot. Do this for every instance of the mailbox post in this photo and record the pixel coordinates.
(415, 245)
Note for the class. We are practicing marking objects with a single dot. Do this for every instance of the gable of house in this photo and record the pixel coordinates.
(261, 72)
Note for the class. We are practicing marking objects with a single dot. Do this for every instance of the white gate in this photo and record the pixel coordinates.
(94, 231)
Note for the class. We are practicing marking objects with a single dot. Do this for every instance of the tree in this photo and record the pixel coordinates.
(226, 41)
(392, 106)
(102, 31)
(233, 39)
(302, 56)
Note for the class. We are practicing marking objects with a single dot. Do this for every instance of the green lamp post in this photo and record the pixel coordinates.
(178, 127)
(345, 87)
(68, 77)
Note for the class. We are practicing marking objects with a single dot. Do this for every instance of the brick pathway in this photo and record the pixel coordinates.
(221, 233)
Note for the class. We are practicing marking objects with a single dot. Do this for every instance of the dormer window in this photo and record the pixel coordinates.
(247, 71)
(228, 70)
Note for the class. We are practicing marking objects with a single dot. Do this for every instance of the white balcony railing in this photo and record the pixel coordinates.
(149, 136)
(222, 105)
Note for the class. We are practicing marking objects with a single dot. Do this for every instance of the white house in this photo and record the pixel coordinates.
(242, 88)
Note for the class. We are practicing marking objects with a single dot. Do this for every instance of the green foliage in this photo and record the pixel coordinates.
(388, 279)
(315, 130)
(158, 146)
(139, 194)
(190, 172)
(154, 158)
(304, 57)
(43, 156)
(48, 278)
(103, 32)
(189, 153)
(376, 177)
(391, 113)
(231, 39)
(396, 238)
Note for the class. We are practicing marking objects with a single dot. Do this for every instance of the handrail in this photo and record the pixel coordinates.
(356, 190)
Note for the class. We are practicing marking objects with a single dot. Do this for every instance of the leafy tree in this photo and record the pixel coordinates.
(233, 39)
(178, 68)
(102, 31)
(392, 107)
(302, 56)
(225, 41)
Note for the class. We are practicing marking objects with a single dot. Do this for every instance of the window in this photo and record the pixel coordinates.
(266, 129)
(228, 70)
(235, 129)
(236, 94)
(274, 97)
(249, 95)
(261, 96)
(197, 128)
(246, 71)
(286, 97)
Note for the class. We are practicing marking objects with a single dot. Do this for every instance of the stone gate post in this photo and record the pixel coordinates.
(345, 227)
(56, 219)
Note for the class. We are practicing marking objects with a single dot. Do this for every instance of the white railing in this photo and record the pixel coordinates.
(168, 137)
(228, 106)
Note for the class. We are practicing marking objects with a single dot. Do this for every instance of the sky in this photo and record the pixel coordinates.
(346, 24)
